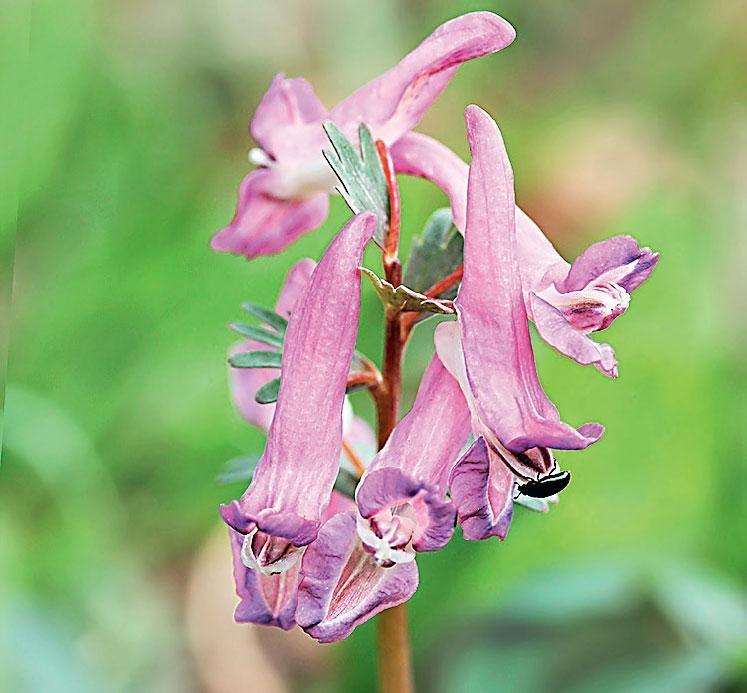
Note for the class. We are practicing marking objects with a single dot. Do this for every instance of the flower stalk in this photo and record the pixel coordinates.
(393, 639)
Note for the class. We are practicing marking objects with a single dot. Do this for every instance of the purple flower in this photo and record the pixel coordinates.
(490, 353)
(566, 302)
(343, 586)
(281, 511)
(288, 195)
(402, 498)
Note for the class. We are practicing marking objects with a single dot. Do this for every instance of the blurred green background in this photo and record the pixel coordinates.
(125, 137)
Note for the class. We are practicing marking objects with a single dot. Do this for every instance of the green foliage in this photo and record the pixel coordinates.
(270, 318)
(256, 359)
(435, 253)
(361, 176)
(258, 334)
(268, 393)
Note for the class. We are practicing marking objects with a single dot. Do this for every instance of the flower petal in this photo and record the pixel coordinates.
(294, 478)
(342, 586)
(618, 259)
(395, 102)
(418, 155)
(490, 307)
(287, 104)
(268, 600)
(264, 224)
(482, 488)
(561, 335)
(413, 467)
(415, 154)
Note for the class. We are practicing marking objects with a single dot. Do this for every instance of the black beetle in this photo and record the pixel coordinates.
(546, 486)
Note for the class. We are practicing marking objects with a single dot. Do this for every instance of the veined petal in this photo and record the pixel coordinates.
(264, 224)
(341, 584)
(482, 489)
(619, 260)
(395, 102)
(294, 478)
(288, 104)
(268, 600)
(560, 335)
(490, 307)
(403, 493)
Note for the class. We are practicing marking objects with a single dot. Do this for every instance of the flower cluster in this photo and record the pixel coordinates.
(481, 428)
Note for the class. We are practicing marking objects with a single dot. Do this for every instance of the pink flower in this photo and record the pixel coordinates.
(288, 195)
(489, 351)
(566, 302)
(282, 509)
(402, 498)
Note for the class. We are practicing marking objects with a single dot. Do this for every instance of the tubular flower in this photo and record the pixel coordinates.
(566, 302)
(493, 358)
(402, 502)
(288, 194)
(282, 508)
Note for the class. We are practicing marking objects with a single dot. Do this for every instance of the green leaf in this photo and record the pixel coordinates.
(268, 393)
(404, 298)
(277, 322)
(238, 469)
(435, 254)
(363, 184)
(258, 334)
(346, 482)
(256, 359)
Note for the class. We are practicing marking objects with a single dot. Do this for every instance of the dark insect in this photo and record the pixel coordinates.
(546, 486)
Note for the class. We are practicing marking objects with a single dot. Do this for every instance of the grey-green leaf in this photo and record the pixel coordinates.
(435, 254)
(238, 469)
(346, 482)
(258, 334)
(268, 393)
(363, 184)
(277, 322)
(256, 359)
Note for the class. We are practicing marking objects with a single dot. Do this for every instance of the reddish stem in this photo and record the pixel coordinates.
(391, 243)
(451, 280)
(395, 667)
(446, 283)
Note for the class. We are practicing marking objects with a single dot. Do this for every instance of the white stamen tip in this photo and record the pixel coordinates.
(259, 157)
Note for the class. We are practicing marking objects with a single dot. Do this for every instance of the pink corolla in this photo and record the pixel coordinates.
(281, 511)
(402, 497)
(489, 351)
(566, 302)
(288, 194)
